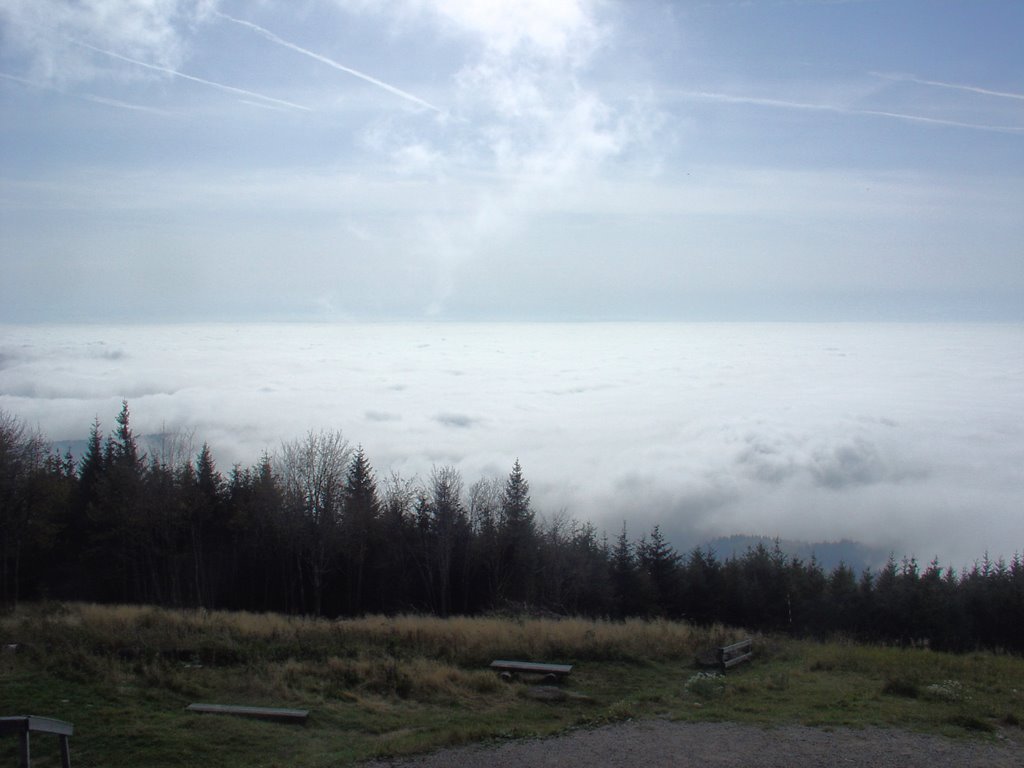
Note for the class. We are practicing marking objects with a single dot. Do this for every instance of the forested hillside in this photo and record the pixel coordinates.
(312, 529)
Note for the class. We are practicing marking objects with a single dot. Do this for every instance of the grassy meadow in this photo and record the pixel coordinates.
(390, 686)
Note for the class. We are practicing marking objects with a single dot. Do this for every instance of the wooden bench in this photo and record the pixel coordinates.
(731, 655)
(24, 725)
(263, 713)
(552, 672)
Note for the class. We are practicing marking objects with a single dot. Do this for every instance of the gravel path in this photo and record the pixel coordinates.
(657, 743)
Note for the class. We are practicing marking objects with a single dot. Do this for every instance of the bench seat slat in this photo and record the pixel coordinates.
(737, 660)
(35, 724)
(528, 666)
(265, 713)
(736, 647)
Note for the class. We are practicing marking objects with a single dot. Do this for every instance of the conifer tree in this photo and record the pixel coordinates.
(449, 531)
(213, 552)
(118, 531)
(91, 468)
(627, 597)
(484, 514)
(361, 518)
(126, 449)
(702, 587)
(517, 540)
(660, 562)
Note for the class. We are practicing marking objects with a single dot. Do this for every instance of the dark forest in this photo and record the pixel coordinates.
(313, 530)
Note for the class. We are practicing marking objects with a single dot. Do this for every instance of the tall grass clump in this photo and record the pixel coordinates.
(224, 638)
(475, 641)
(402, 655)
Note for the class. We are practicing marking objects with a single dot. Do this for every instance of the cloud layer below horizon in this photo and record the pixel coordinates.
(906, 437)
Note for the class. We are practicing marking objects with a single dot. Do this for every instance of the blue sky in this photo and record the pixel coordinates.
(449, 159)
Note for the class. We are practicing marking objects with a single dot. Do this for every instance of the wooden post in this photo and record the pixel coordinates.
(24, 752)
(65, 751)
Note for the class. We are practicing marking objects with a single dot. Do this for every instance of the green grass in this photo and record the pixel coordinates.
(376, 686)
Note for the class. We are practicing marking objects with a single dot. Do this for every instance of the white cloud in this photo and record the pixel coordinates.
(549, 28)
(902, 436)
(552, 29)
(526, 128)
(48, 30)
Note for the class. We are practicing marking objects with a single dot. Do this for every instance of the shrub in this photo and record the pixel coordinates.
(706, 685)
(947, 690)
(901, 686)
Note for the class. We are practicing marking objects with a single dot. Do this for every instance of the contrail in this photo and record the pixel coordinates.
(783, 104)
(87, 96)
(176, 73)
(329, 62)
(940, 121)
(124, 104)
(952, 86)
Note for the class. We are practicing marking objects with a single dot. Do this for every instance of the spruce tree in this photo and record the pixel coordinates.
(625, 577)
(660, 562)
(117, 530)
(360, 527)
(517, 540)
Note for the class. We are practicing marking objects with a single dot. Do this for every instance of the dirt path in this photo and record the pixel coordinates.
(657, 743)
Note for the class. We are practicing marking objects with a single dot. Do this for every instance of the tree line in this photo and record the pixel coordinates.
(312, 529)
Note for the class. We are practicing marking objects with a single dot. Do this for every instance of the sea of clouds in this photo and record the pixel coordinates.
(907, 437)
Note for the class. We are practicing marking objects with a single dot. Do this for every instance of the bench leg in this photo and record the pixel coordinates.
(65, 752)
(24, 757)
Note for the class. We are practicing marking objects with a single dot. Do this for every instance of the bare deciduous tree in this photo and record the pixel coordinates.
(22, 454)
(312, 473)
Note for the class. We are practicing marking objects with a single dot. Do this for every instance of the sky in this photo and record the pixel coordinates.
(347, 160)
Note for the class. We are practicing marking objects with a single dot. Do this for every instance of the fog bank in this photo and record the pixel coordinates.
(907, 437)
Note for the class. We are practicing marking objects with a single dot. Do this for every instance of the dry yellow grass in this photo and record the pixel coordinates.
(288, 658)
(458, 640)
(474, 640)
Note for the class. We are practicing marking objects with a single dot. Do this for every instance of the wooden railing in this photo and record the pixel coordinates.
(731, 655)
